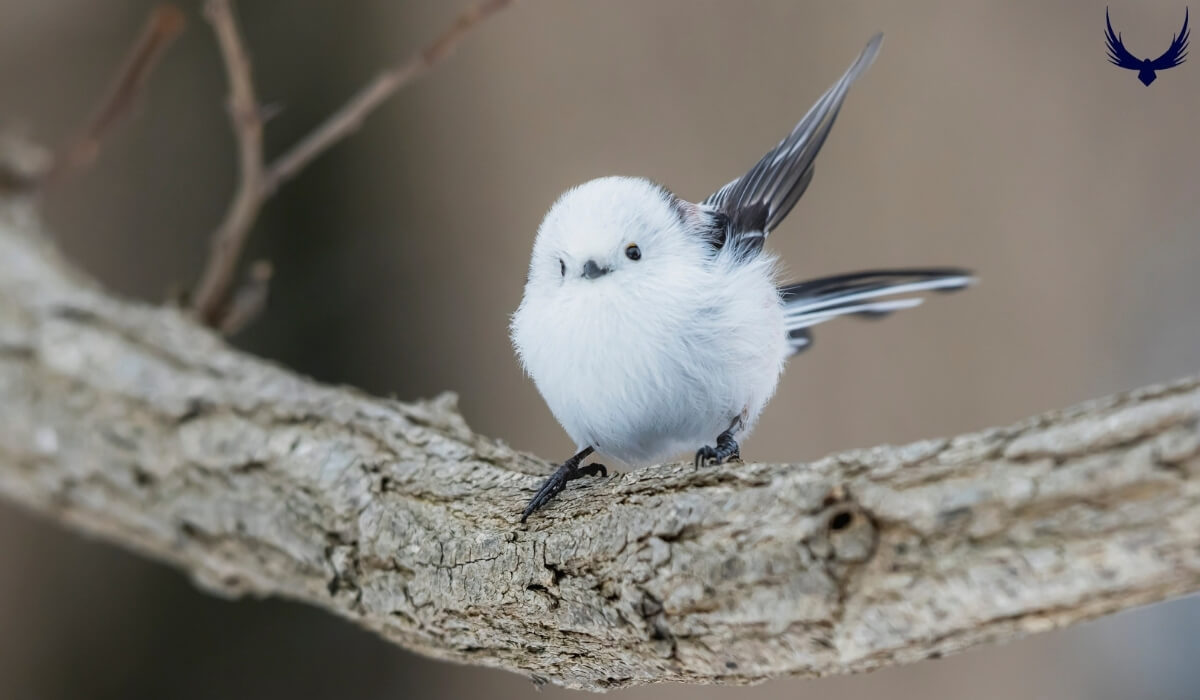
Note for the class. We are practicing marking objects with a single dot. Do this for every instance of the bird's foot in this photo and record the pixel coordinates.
(725, 451)
(568, 471)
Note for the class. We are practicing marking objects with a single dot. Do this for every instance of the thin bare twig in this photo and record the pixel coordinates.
(212, 292)
(250, 299)
(162, 28)
(258, 182)
(347, 119)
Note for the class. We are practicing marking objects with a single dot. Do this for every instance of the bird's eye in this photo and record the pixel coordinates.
(562, 267)
(633, 252)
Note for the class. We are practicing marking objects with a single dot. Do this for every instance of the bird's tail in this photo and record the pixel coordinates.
(870, 294)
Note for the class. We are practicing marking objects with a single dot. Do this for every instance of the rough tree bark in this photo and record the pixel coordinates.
(132, 423)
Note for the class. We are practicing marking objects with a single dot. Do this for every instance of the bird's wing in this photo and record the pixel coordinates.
(1175, 54)
(752, 205)
(1118, 55)
(870, 294)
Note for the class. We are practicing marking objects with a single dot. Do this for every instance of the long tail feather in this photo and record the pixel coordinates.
(870, 294)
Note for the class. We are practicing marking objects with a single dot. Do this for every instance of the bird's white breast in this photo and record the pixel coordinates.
(644, 371)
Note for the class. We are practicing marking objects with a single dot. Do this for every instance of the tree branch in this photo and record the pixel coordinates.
(213, 290)
(162, 28)
(257, 182)
(350, 116)
(133, 423)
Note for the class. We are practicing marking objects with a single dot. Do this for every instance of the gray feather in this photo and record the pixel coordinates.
(755, 203)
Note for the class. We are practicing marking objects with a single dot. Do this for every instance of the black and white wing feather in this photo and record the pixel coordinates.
(871, 294)
(750, 207)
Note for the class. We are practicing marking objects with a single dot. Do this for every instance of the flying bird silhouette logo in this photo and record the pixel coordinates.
(1118, 55)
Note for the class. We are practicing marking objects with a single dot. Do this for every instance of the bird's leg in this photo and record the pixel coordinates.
(568, 471)
(726, 449)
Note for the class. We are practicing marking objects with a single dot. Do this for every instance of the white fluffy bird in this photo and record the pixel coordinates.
(653, 326)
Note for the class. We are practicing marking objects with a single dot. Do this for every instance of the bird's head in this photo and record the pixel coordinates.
(614, 232)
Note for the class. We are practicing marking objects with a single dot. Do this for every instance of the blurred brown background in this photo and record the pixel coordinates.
(988, 134)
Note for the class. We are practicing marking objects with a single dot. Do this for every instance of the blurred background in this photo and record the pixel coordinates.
(988, 134)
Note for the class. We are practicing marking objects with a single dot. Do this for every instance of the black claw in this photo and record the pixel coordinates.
(591, 470)
(726, 450)
(568, 471)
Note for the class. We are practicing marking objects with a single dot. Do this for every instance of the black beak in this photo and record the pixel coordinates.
(591, 270)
